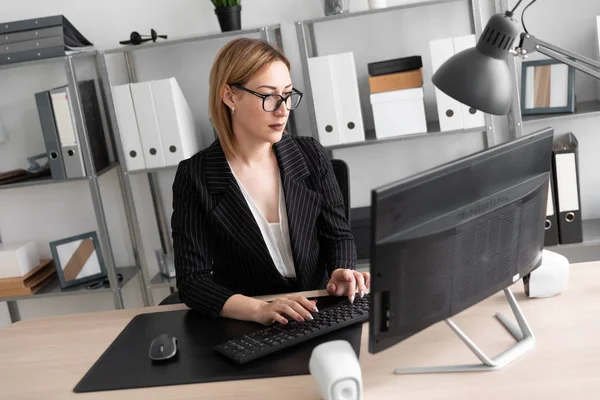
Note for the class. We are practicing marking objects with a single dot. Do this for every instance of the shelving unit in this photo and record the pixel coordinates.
(589, 249)
(308, 48)
(53, 288)
(270, 33)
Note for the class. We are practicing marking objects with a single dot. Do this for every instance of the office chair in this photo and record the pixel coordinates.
(342, 175)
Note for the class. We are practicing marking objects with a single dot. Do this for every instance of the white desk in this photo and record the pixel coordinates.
(45, 358)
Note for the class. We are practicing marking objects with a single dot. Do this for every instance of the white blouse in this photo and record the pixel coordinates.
(275, 235)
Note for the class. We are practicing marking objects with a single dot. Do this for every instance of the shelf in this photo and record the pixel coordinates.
(53, 289)
(160, 280)
(190, 39)
(149, 170)
(375, 11)
(49, 181)
(591, 236)
(586, 109)
(433, 130)
(586, 251)
(48, 60)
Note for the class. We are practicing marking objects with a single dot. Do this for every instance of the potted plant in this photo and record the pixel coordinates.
(229, 13)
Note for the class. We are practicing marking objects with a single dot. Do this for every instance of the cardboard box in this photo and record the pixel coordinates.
(398, 81)
(30, 283)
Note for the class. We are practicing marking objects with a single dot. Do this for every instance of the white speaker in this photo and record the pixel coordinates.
(550, 278)
(335, 368)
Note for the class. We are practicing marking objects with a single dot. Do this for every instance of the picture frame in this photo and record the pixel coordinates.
(547, 87)
(78, 259)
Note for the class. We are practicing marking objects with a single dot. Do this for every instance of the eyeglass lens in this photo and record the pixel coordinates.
(271, 103)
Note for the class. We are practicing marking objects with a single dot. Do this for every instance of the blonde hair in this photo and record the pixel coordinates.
(236, 62)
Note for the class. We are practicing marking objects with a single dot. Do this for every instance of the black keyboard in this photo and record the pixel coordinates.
(278, 337)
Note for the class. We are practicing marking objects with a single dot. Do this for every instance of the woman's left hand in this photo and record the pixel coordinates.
(345, 282)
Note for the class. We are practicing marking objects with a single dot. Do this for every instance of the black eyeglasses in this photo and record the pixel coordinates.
(272, 102)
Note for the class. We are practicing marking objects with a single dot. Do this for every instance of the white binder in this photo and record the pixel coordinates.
(175, 121)
(324, 99)
(566, 183)
(67, 132)
(449, 110)
(347, 98)
(143, 103)
(128, 128)
(471, 117)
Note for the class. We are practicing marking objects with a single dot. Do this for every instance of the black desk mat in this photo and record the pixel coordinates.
(126, 364)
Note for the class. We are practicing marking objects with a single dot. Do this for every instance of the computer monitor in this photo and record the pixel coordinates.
(448, 238)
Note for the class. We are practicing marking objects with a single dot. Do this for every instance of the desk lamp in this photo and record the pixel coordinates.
(480, 77)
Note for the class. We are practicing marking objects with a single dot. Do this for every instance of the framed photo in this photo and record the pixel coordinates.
(78, 259)
(547, 86)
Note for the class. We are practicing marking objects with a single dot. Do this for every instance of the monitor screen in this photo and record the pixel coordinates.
(448, 238)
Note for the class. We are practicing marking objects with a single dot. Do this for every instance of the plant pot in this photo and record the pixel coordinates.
(230, 18)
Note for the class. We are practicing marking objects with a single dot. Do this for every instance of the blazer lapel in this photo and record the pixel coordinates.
(302, 203)
(231, 211)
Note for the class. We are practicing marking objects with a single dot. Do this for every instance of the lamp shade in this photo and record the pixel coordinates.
(480, 77)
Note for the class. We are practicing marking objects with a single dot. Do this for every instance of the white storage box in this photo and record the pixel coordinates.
(399, 112)
(18, 259)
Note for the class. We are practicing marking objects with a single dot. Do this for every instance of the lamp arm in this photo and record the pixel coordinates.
(530, 44)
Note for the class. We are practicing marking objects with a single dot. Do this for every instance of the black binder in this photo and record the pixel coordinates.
(51, 139)
(565, 164)
(39, 38)
(90, 102)
(33, 34)
(551, 223)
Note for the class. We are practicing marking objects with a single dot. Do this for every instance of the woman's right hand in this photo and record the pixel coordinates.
(293, 306)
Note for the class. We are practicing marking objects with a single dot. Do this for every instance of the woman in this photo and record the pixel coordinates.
(259, 212)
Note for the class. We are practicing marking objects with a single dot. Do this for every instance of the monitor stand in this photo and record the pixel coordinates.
(522, 333)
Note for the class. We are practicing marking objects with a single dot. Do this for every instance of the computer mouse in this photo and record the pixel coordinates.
(163, 347)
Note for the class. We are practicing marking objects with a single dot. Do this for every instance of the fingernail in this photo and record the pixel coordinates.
(362, 294)
(315, 309)
(300, 319)
(352, 299)
(310, 317)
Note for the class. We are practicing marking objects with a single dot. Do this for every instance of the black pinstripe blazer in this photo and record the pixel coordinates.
(219, 249)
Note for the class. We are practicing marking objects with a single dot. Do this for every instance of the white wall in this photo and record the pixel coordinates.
(50, 212)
